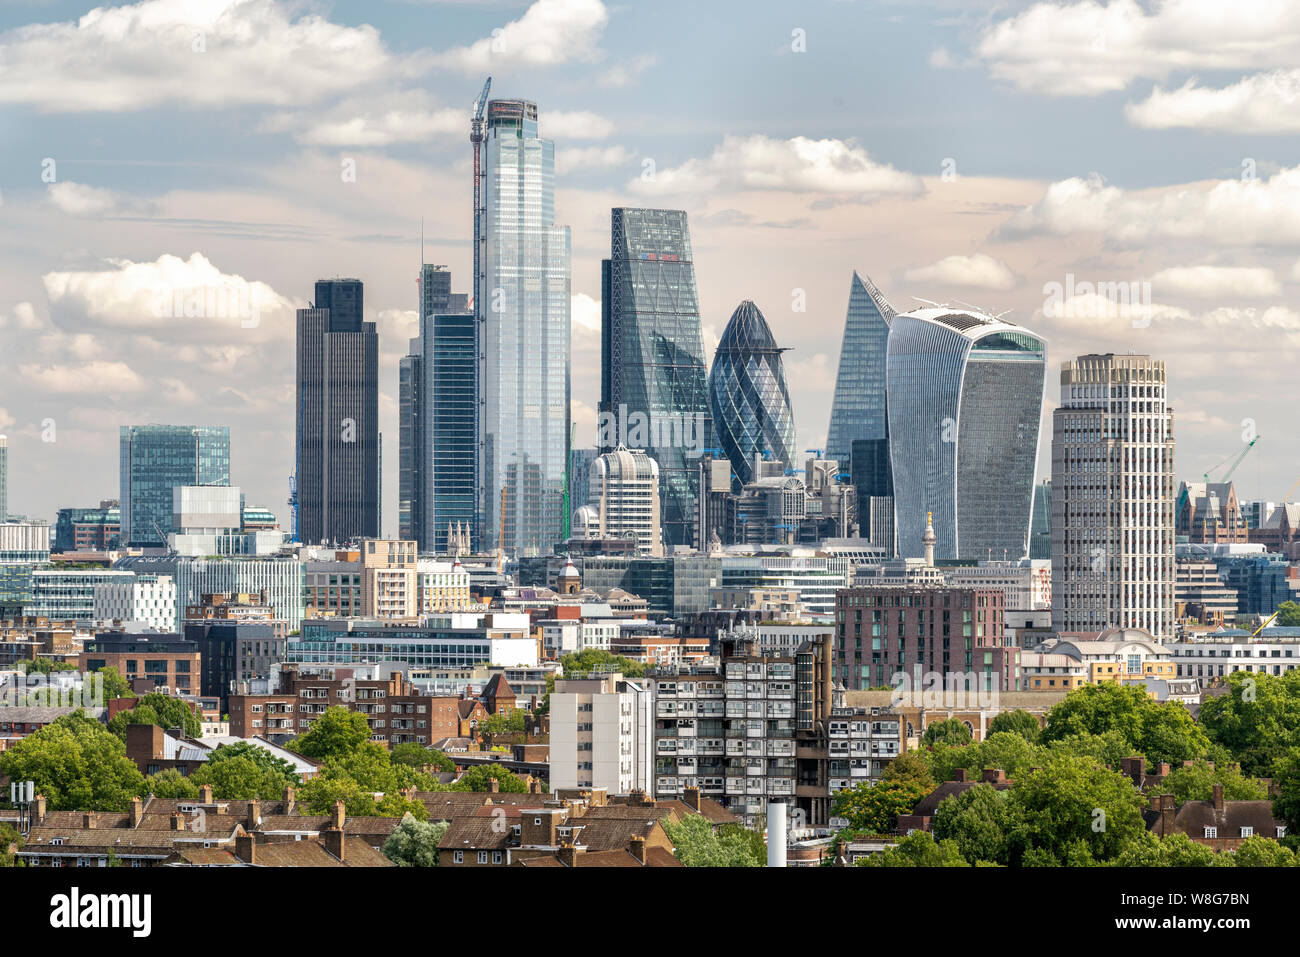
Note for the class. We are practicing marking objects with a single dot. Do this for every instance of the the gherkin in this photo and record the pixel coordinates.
(748, 394)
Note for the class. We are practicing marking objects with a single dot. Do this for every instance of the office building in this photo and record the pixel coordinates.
(1208, 513)
(281, 579)
(522, 304)
(457, 640)
(1113, 497)
(652, 355)
(1210, 657)
(88, 529)
(337, 412)
(965, 403)
(625, 487)
(24, 547)
(858, 409)
(68, 594)
(714, 484)
(1040, 523)
(4, 477)
(872, 476)
(155, 459)
(168, 660)
(748, 395)
(602, 734)
(147, 601)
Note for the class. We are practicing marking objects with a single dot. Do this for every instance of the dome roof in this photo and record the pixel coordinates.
(747, 331)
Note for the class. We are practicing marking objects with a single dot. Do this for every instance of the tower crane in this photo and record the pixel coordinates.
(1234, 459)
(476, 140)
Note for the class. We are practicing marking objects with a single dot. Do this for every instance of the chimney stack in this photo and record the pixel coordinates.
(334, 842)
(178, 822)
(568, 855)
(38, 809)
(340, 815)
(88, 820)
(494, 785)
(205, 794)
(1218, 797)
(254, 815)
(290, 799)
(245, 848)
(637, 848)
(691, 797)
(959, 775)
(137, 811)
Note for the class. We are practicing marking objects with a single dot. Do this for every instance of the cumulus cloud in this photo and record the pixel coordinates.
(1215, 282)
(82, 378)
(1243, 211)
(1262, 103)
(1088, 48)
(794, 165)
(22, 316)
(170, 293)
(213, 53)
(79, 199)
(980, 271)
(550, 32)
(627, 70)
(584, 315)
(408, 116)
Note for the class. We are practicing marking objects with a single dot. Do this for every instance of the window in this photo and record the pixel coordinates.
(482, 857)
(1211, 832)
(458, 857)
(1247, 832)
(496, 857)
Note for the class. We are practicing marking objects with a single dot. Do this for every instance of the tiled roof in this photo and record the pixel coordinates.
(475, 834)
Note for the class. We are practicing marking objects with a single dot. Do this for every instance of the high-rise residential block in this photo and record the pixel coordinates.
(522, 304)
(1113, 497)
(602, 734)
(625, 494)
(155, 459)
(337, 454)
(652, 355)
(965, 405)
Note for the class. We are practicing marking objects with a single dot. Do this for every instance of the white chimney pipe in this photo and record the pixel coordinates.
(776, 834)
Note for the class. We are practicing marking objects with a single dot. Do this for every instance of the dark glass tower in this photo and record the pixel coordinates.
(337, 452)
(858, 410)
(748, 394)
(965, 405)
(652, 354)
(155, 459)
(451, 430)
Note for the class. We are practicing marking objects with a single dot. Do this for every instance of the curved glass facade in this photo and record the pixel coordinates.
(965, 405)
(748, 394)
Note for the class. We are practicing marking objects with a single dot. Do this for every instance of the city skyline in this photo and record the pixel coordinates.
(123, 216)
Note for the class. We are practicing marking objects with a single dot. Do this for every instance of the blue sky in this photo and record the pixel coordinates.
(199, 144)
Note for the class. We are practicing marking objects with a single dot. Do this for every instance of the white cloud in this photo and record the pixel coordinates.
(575, 125)
(584, 315)
(171, 293)
(550, 32)
(97, 378)
(1088, 48)
(408, 116)
(78, 199)
(23, 317)
(1216, 282)
(1263, 103)
(627, 71)
(979, 270)
(795, 165)
(1230, 211)
(6, 419)
(201, 53)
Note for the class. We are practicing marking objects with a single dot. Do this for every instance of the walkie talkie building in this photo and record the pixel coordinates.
(965, 407)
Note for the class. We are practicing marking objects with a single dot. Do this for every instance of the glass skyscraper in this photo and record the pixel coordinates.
(965, 406)
(652, 354)
(858, 410)
(748, 394)
(451, 430)
(4, 477)
(522, 302)
(155, 459)
(337, 454)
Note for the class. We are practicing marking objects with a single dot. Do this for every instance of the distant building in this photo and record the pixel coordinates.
(24, 547)
(166, 660)
(61, 594)
(1040, 524)
(155, 459)
(625, 492)
(1208, 513)
(1113, 442)
(336, 410)
(602, 734)
(389, 579)
(148, 600)
(87, 529)
(858, 410)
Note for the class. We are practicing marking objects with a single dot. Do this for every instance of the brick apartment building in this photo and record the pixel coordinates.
(396, 712)
(166, 660)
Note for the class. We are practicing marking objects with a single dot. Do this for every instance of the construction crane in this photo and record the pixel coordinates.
(476, 141)
(818, 452)
(1234, 459)
(1268, 621)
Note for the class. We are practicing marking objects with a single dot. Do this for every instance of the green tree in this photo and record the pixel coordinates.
(1176, 850)
(983, 823)
(911, 766)
(1161, 731)
(114, 685)
(874, 808)
(1004, 750)
(11, 841)
(1195, 782)
(1072, 801)
(161, 710)
(1107, 749)
(951, 732)
(477, 778)
(1257, 719)
(169, 784)
(414, 843)
(1016, 722)
(235, 779)
(1259, 851)
(319, 795)
(337, 732)
(418, 756)
(696, 845)
(586, 661)
(512, 723)
(77, 764)
(1288, 615)
(918, 849)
